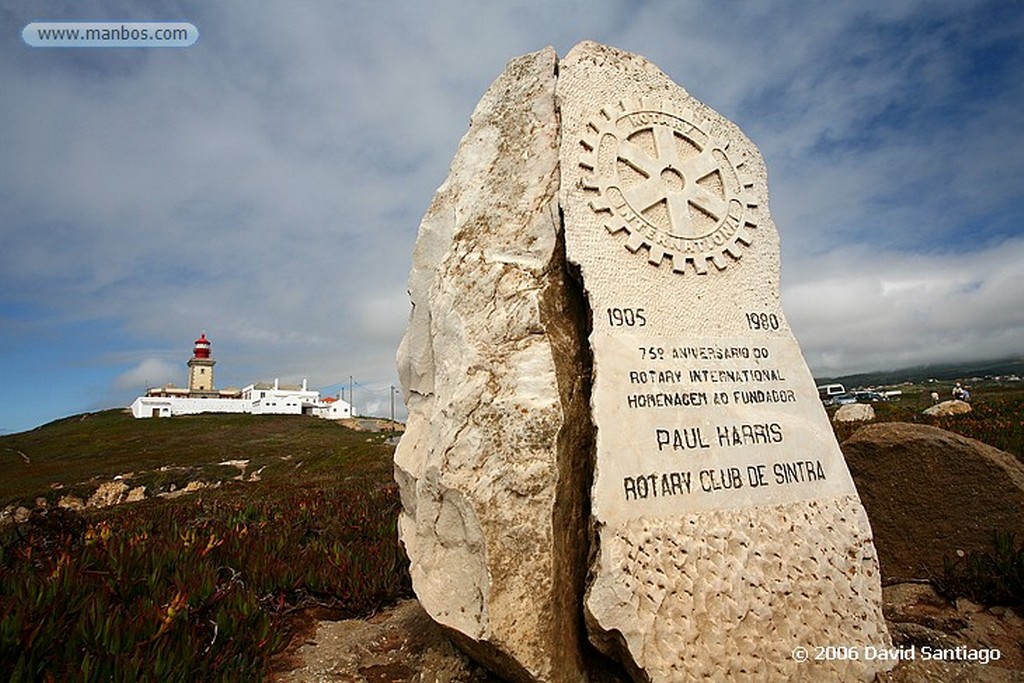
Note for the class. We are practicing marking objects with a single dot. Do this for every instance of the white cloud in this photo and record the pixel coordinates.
(857, 309)
(266, 184)
(150, 372)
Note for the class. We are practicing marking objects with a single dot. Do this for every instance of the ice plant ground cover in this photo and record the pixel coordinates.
(205, 586)
(996, 418)
(213, 585)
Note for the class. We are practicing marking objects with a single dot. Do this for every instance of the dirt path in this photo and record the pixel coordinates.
(403, 645)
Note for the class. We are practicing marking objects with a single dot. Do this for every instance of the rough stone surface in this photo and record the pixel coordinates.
(490, 467)
(400, 644)
(69, 502)
(854, 412)
(109, 493)
(659, 424)
(945, 408)
(920, 618)
(930, 493)
(712, 562)
(136, 494)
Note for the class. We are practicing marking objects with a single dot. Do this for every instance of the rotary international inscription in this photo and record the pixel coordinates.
(704, 424)
(669, 180)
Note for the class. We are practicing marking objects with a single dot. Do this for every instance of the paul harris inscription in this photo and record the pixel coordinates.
(691, 438)
(692, 433)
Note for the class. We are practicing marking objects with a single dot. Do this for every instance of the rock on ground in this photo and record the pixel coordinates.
(919, 617)
(930, 493)
(403, 644)
(399, 644)
(948, 408)
(109, 493)
(854, 412)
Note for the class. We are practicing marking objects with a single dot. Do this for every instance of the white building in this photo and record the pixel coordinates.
(281, 399)
(332, 408)
(261, 398)
(167, 406)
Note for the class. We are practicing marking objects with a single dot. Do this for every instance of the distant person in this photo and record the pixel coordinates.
(958, 392)
(935, 397)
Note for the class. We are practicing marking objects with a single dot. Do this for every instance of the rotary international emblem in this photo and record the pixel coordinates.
(663, 177)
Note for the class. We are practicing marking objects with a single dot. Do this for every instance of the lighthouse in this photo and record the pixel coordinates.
(200, 366)
(261, 398)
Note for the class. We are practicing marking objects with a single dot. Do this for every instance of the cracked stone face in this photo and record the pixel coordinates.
(489, 467)
(610, 421)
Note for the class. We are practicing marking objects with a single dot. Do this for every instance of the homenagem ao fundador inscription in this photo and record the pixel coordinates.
(707, 424)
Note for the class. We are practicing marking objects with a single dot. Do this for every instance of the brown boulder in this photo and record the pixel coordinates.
(947, 408)
(931, 494)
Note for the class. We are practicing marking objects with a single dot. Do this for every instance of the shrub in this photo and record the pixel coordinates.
(193, 589)
(988, 578)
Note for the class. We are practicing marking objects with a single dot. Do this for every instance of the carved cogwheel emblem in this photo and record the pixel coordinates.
(664, 177)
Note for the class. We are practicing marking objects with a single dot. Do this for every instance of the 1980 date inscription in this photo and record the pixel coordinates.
(637, 317)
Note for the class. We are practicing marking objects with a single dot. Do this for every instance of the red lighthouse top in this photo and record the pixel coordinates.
(202, 347)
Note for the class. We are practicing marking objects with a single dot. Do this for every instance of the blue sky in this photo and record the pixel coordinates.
(265, 185)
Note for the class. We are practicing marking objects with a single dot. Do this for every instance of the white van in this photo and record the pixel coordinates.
(828, 392)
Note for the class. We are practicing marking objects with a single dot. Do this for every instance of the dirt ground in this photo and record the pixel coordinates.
(402, 645)
(399, 644)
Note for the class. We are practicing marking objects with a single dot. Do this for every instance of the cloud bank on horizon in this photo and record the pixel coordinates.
(265, 184)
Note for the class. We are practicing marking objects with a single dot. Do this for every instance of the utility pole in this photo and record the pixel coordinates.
(392, 406)
(351, 397)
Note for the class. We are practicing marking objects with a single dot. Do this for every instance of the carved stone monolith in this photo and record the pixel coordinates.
(729, 532)
(610, 421)
(489, 467)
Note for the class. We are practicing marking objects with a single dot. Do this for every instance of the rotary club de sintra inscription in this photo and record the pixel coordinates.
(707, 424)
(668, 179)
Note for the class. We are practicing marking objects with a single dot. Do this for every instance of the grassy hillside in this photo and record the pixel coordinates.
(215, 584)
(77, 453)
(207, 586)
(945, 372)
(997, 416)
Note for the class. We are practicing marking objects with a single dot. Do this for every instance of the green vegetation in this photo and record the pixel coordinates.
(987, 578)
(214, 585)
(208, 586)
(997, 416)
(77, 453)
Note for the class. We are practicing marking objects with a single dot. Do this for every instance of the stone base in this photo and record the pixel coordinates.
(730, 594)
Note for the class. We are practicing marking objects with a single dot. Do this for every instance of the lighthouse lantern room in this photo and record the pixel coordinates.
(200, 366)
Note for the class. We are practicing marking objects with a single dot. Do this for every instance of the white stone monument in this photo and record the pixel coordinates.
(489, 467)
(726, 540)
(729, 531)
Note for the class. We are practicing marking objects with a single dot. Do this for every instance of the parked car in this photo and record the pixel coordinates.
(868, 397)
(828, 392)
